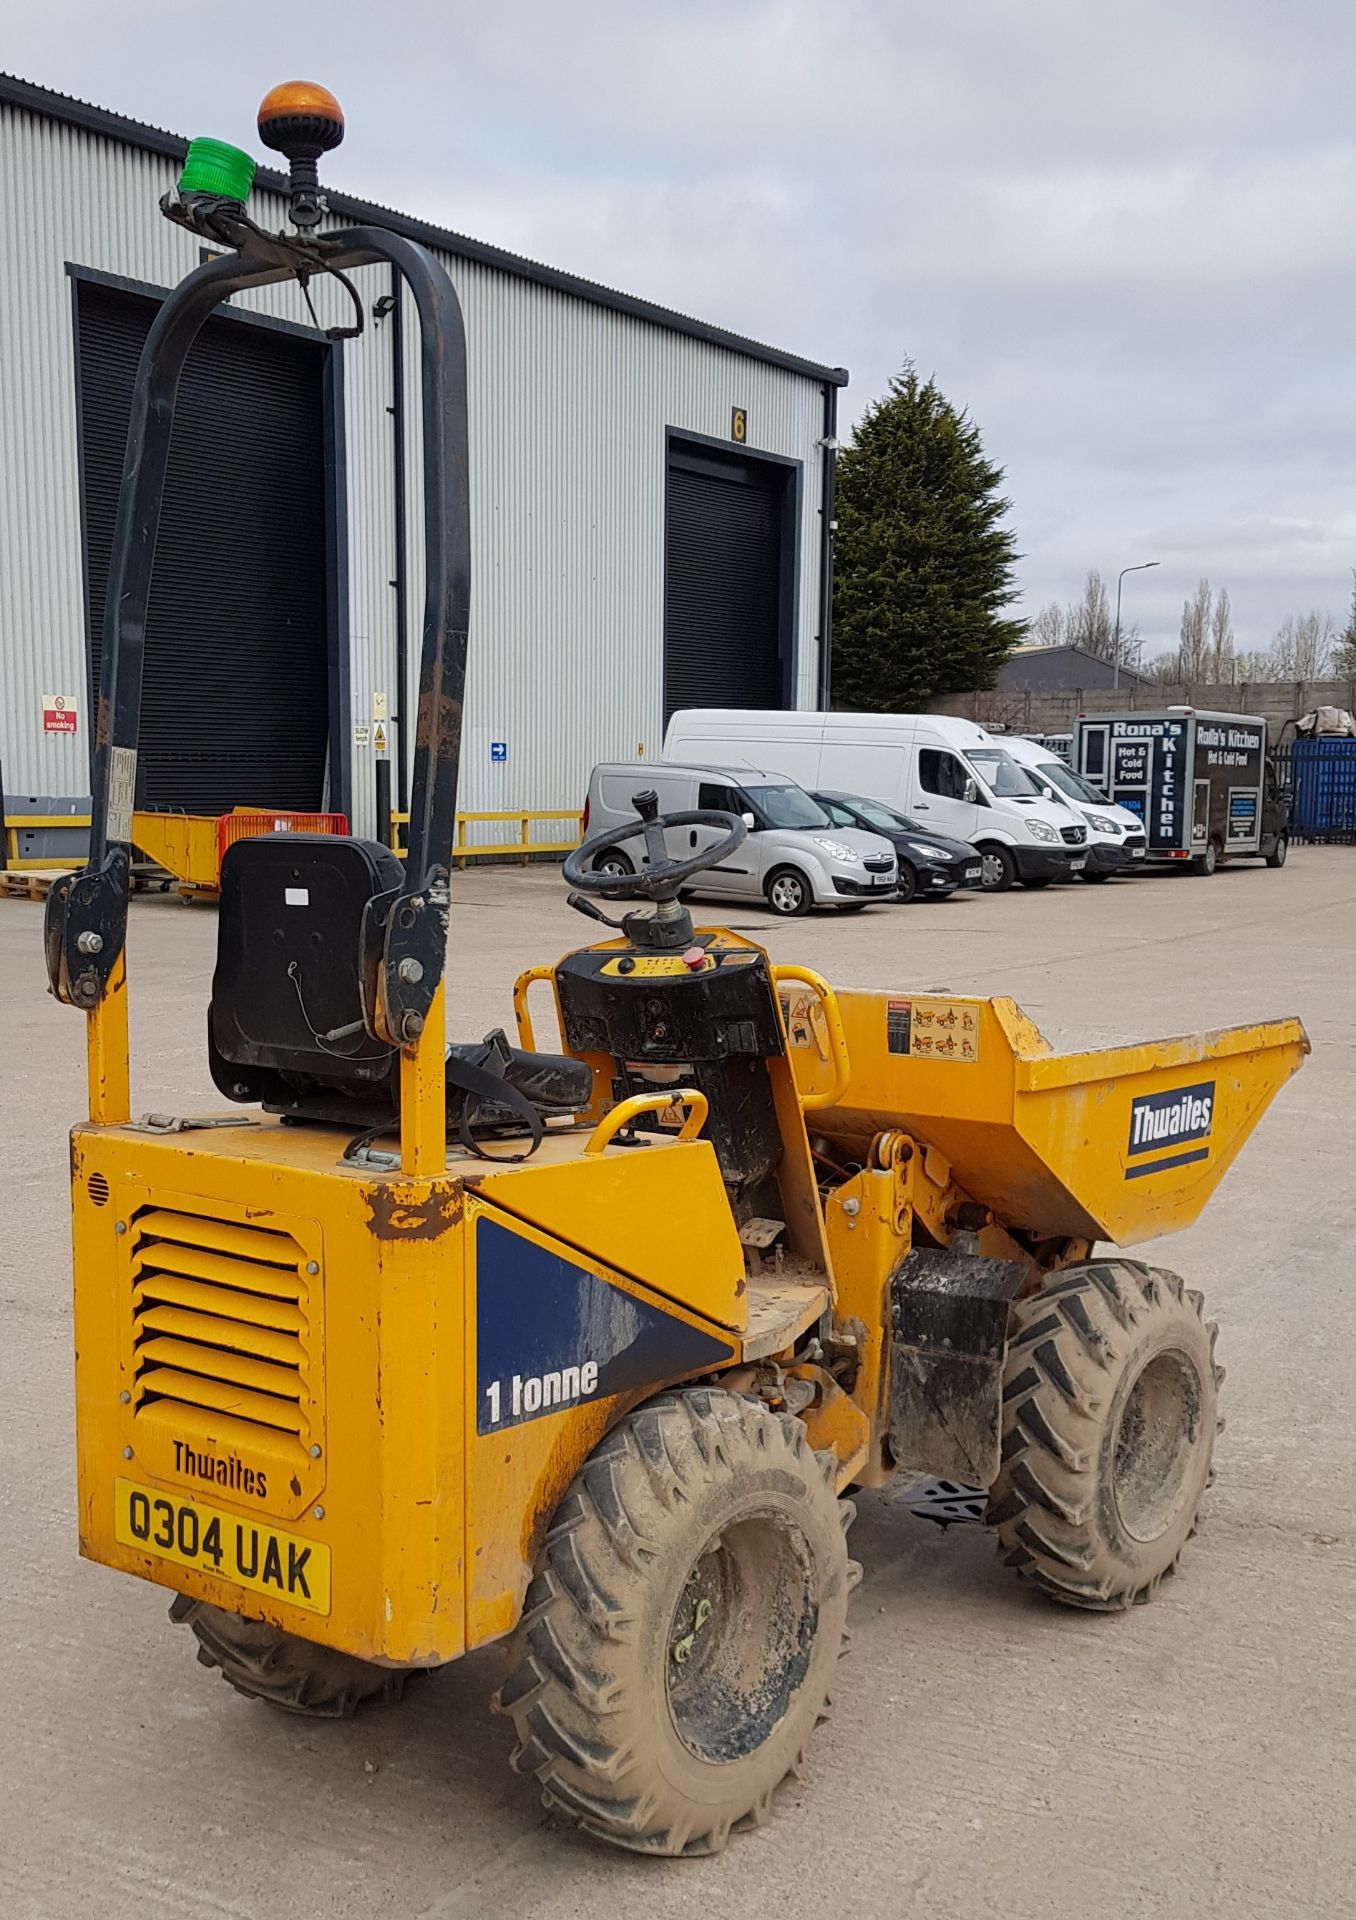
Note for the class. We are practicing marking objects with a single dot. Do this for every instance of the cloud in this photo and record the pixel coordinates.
(1121, 237)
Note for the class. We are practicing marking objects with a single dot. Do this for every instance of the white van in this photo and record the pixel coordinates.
(944, 773)
(793, 857)
(1115, 835)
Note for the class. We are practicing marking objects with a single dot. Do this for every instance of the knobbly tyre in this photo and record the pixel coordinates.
(409, 1348)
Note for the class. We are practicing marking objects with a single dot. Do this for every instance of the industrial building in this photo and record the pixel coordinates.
(648, 505)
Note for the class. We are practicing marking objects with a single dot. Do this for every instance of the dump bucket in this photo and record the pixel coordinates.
(1118, 1144)
(191, 845)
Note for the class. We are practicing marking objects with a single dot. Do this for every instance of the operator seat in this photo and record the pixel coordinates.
(298, 952)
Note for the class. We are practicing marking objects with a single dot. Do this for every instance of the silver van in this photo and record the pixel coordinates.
(793, 859)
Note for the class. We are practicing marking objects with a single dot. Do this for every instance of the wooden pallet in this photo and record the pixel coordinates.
(34, 884)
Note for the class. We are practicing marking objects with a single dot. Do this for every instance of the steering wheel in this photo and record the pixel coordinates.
(661, 877)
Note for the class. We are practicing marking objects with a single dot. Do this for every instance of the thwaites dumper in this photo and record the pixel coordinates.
(413, 1347)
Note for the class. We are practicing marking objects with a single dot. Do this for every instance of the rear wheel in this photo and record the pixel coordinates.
(997, 868)
(613, 860)
(1110, 1394)
(788, 893)
(682, 1626)
(1276, 858)
(266, 1663)
(1206, 863)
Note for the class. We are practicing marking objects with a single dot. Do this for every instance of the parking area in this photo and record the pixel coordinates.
(989, 1753)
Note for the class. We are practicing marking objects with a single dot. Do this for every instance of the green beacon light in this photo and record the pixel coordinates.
(211, 167)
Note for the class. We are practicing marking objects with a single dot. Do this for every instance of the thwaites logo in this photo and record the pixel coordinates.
(230, 1474)
(1174, 1119)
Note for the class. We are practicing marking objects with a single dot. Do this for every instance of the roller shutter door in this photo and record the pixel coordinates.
(723, 584)
(235, 699)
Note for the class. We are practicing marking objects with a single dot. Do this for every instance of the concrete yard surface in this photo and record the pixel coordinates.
(989, 1753)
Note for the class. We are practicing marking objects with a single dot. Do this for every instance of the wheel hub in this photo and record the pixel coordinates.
(1154, 1443)
(741, 1637)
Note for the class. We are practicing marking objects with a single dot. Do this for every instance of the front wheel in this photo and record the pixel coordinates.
(788, 893)
(1096, 875)
(997, 868)
(907, 889)
(682, 1625)
(1276, 858)
(1034, 886)
(1110, 1410)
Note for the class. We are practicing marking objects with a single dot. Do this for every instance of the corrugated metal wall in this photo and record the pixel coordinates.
(569, 403)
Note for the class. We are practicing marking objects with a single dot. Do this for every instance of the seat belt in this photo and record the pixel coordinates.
(483, 1084)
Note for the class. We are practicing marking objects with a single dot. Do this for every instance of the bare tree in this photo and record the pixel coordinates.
(1050, 626)
(1089, 619)
(1252, 668)
(1193, 646)
(1344, 659)
(1085, 623)
(1164, 669)
(1302, 647)
(1220, 663)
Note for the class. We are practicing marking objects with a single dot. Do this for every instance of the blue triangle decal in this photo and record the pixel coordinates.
(550, 1334)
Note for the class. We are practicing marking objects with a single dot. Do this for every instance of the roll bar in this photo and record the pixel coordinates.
(86, 924)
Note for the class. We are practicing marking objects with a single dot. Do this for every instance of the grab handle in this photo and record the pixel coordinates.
(522, 1013)
(833, 1021)
(623, 1114)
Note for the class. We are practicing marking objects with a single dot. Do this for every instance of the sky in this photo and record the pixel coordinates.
(1121, 238)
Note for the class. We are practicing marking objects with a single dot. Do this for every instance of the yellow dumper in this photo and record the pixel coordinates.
(192, 846)
(407, 1347)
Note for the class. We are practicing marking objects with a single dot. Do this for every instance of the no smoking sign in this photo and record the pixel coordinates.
(59, 713)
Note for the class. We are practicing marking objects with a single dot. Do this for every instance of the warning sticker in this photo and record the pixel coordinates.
(898, 1025)
(932, 1029)
(122, 792)
(803, 1017)
(60, 713)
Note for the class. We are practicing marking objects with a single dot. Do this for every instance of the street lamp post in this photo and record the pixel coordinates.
(1141, 567)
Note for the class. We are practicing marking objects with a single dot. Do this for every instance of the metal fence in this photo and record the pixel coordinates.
(522, 848)
(1319, 777)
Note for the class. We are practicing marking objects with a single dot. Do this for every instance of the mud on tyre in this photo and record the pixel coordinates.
(682, 1626)
(267, 1663)
(1110, 1397)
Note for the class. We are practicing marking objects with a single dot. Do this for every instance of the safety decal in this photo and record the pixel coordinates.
(1171, 1119)
(550, 1334)
(932, 1029)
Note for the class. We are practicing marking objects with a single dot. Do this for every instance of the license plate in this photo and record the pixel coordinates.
(883, 880)
(1077, 864)
(1136, 853)
(973, 873)
(245, 1552)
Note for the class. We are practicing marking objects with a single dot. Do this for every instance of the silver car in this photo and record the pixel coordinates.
(793, 858)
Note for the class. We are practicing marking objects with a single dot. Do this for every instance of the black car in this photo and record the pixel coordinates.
(931, 867)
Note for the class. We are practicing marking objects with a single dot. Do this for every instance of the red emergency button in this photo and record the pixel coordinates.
(695, 959)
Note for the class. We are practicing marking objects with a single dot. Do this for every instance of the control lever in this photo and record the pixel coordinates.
(581, 905)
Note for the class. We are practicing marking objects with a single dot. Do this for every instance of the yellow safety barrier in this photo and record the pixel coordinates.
(22, 823)
(522, 847)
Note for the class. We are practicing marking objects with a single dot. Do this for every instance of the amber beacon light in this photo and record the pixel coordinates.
(302, 120)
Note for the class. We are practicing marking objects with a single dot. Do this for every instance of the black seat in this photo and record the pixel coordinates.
(296, 951)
